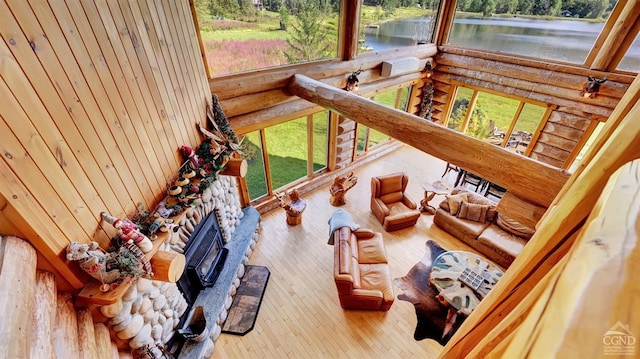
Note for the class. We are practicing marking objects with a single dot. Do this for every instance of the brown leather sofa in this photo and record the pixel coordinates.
(498, 237)
(390, 204)
(361, 271)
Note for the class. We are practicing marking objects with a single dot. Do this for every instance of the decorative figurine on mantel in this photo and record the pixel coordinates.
(129, 232)
(293, 205)
(109, 268)
(340, 186)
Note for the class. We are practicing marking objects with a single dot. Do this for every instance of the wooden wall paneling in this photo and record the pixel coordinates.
(103, 340)
(159, 77)
(83, 110)
(148, 151)
(78, 30)
(529, 180)
(30, 158)
(86, 334)
(159, 135)
(168, 132)
(182, 31)
(174, 83)
(536, 134)
(191, 38)
(44, 113)
(98, 77)
(40, 230)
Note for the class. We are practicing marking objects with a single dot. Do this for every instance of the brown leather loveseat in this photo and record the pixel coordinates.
(361, 271)
(473, 219)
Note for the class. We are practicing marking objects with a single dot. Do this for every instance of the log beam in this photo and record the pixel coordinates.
(528, 179)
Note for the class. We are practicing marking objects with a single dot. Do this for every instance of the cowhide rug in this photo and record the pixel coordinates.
(436, 320)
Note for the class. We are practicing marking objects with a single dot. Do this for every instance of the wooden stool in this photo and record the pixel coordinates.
(293, 205)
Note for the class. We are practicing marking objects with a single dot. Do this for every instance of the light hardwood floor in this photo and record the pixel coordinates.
(300, 316)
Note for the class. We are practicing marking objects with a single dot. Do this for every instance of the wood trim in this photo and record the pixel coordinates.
(265, 161)
(614, 41)
(470, 108)
(348, 34)
(446, 15)
(512, 125)
(196, 26)
(606, 29)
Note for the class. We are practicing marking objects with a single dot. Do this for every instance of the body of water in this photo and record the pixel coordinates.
(562, 40)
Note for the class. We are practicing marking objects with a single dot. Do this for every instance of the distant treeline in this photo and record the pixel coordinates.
(591, 9)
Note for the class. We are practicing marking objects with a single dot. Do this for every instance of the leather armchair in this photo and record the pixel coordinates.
(390, 204)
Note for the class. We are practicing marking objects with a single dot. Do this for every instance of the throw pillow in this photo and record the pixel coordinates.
(455, 201)
(473, 212)
(514, 227)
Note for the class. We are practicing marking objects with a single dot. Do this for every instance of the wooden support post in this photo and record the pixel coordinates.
(17, 304)
(103, 341)
(167, 266)
(65, 332)
(86, 335)
(528, 179)
(44, 316)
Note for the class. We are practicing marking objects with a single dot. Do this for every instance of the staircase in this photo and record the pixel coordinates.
(37, 321)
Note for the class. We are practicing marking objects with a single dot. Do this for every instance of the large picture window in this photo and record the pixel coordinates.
(393, 24)
(499, 120)
(551, 30)
(247, 35)
(285, 153)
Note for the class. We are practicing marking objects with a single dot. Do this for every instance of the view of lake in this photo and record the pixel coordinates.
(562, 40)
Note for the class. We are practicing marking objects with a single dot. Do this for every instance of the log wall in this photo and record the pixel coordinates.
(260, 99)
(95, 99)
(573, 117)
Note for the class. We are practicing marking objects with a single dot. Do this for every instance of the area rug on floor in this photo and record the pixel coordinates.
(430, 312)
(246, 303)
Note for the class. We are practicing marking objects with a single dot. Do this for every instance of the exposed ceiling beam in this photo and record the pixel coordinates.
(528, 179)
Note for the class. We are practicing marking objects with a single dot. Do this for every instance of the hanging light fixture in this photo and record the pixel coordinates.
(592, 87)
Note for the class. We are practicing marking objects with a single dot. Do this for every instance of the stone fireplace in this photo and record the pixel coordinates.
(150, 311)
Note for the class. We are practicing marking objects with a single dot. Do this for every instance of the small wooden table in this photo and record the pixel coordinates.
(430, 191)
(463, 279)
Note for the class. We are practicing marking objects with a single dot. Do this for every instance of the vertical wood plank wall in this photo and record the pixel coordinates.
(95, 99)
